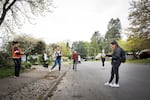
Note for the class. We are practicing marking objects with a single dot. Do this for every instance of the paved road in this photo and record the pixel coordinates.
(88, 83)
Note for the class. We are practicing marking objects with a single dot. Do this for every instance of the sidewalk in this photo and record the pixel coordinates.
(10, 84)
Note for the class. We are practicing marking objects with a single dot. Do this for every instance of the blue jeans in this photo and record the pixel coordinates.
(57, 61)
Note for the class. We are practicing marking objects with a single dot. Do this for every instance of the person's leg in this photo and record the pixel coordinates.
(103, 63)
(117, 73)
(43, 63)
(112, 75)
(73, 64)
(111, 78)
(17, 67)
(59, 62)
(55, 63)
(76, 64)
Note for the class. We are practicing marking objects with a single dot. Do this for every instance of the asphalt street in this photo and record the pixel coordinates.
(87, 83)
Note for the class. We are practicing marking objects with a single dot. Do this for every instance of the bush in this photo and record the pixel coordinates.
(5, 60)
(26, 65)
(32, 60)
(65, 59)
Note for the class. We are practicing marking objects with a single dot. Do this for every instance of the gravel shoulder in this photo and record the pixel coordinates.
(33, 85)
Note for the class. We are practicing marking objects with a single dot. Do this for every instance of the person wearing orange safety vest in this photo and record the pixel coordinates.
(17, 55)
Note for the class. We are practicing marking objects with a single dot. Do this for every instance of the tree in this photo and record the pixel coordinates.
(136, 44)
(15, 8)
(27, 43)
(50, 50)
(65, 49)
(81, 47)
(139, 18)
(96, 43)
(39, 48)
(13, 13)
(114, 29)
(113, 33)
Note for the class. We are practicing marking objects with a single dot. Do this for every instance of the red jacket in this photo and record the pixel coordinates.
(75, 56)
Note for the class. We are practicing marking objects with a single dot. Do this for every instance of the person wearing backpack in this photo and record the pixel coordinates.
(57, 58)
(115, 62)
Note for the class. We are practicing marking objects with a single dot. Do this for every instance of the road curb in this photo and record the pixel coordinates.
(45, 97)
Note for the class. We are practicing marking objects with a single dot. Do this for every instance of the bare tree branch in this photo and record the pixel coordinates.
(14, 13)
(5, 9)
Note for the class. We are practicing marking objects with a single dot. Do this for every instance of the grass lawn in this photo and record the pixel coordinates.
(137, 61)
(5, 72)
(141, 61)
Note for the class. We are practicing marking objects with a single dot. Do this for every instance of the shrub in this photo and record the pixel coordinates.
(26, 65)
(65, 59)
(5, 60)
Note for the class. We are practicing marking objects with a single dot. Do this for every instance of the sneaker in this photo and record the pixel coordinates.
(50, 70)
(116, 85)
(108, 84)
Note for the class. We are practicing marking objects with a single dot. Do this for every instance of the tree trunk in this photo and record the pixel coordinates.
(6, 8)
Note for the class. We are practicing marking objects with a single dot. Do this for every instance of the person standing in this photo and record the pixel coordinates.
(17, 55)
(44, 58)
(75, 60)
(115, 62)
(103, 55)
(57, 58)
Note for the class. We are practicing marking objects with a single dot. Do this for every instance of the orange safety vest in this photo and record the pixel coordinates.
(16, 54)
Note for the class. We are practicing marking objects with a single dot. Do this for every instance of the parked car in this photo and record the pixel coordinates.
(144, 54)
(87, 58)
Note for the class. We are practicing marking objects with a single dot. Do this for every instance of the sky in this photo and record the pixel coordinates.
(77, 20)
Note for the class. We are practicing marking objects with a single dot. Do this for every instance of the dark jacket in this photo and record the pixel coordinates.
(116, 56)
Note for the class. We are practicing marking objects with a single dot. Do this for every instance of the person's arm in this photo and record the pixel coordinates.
(22, 53)
(16, 51)
(108, 55)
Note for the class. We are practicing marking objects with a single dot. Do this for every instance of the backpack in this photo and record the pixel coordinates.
(123, 56)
